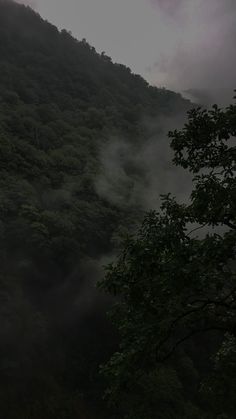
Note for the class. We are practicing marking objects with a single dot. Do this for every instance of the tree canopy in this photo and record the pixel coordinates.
(175, 281)
(61, 102)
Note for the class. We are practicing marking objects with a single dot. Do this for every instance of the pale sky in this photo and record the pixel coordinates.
(130, 31)
(180, 44)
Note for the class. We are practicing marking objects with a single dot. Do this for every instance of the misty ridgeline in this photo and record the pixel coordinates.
(84, 154)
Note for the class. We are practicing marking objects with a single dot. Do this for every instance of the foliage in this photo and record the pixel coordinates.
(176, 286)
(60, 103)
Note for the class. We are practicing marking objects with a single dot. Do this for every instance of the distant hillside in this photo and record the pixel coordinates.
(60, 102)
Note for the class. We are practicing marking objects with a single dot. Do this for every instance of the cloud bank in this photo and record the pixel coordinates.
(170, 7)
(203, 62)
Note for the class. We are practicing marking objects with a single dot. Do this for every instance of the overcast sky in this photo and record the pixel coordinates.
(180, 44)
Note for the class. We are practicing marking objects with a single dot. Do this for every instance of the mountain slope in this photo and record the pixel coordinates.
(60, 103)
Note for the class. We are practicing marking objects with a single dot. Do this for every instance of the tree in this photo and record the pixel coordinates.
(176, 284)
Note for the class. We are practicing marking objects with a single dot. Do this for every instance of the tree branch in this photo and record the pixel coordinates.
(187, 337)
(229, 224)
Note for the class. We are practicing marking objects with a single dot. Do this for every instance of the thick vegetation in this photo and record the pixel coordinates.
(60, 102)
(176, 282)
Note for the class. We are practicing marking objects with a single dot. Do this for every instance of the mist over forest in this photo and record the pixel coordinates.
(85, 156)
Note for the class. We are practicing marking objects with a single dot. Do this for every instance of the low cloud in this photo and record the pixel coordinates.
(203, 62)
(170, 7)
(134, 175)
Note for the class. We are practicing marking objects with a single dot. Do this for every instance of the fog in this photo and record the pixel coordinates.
(136, 174)
(203, 64)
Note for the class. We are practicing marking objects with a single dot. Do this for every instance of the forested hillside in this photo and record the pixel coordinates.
(60, 103)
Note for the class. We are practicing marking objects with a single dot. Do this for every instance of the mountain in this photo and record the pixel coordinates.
(61, 103)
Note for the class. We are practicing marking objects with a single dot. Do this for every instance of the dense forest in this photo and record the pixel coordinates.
(61, 105)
